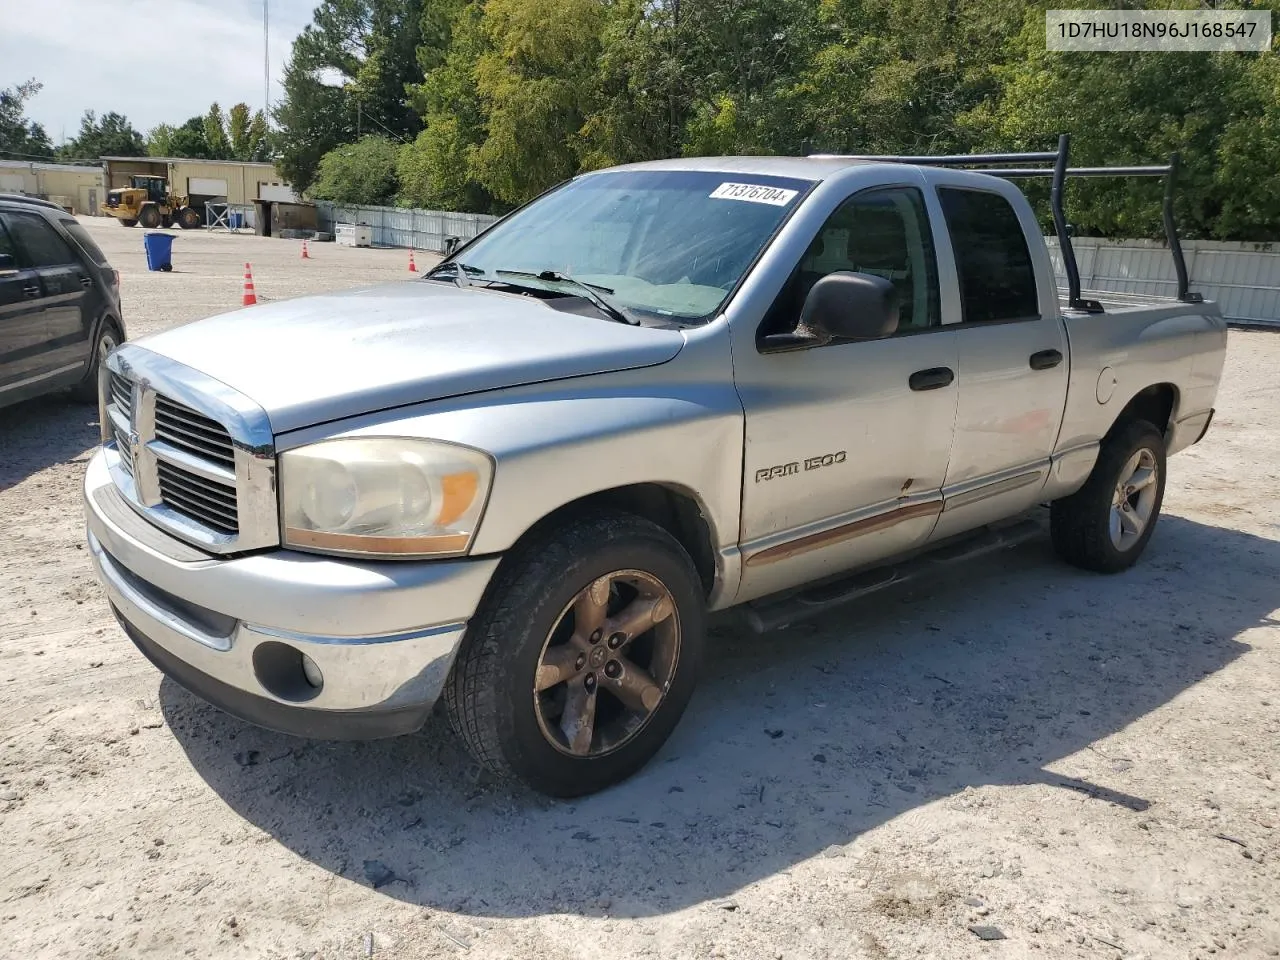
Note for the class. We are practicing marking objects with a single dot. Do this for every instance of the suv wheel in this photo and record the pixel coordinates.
(109, 337)
(1106, 524)
(583, 656)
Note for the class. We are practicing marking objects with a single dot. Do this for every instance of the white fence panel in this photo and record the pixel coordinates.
(404, 227)
(1244, 278)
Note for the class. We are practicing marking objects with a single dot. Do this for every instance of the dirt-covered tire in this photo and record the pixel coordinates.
(109, 337)
(189, 218)
(149, 217)
(1105, 525)
(582, 656)
(128, 223)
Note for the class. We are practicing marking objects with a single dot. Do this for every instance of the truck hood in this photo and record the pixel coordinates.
(324, 358)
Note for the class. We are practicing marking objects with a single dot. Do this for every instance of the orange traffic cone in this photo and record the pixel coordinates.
(305, 255)
(250, 297)
(413, 267)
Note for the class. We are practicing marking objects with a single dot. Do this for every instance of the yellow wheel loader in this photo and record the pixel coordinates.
(147, 201)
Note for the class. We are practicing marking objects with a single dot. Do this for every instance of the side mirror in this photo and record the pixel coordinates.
(842, 306)
(7, 263)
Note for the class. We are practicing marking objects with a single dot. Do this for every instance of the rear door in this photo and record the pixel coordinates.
(66, 285)
(1012, 358)
(24, 336)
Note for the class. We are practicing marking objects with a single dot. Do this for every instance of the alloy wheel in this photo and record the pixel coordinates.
(1134, 499)
(607, 664)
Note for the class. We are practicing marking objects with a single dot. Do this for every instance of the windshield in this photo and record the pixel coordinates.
(669, 243)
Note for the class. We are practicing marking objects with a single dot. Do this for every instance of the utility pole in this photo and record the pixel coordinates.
(266, 62)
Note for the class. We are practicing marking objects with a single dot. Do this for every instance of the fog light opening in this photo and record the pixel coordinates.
(286, 672)
(311, 670)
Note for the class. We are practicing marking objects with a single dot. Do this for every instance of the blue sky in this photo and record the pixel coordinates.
(152, 60)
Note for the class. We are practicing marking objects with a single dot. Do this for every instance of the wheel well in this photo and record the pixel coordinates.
(675, 510)
(1154, 404)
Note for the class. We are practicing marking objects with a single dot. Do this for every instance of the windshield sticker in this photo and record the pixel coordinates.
(754, 193)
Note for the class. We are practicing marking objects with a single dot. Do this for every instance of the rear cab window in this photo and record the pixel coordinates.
(993, 261)
(81, 236)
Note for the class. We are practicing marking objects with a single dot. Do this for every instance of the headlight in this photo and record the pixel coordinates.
(383, 496)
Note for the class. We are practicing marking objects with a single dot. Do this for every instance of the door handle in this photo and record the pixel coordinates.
(31, 291)
(932, 379)
(1046, 359)
(86, 282)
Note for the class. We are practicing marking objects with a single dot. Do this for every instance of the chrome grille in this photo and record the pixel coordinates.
(122, 444)
(210, 502)
(190, 454)
(122, 395)
(199, 435)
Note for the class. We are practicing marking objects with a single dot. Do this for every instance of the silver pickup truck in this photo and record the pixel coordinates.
(521, 483)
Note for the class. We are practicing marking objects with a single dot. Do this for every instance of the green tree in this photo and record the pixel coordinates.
(215, 133)
(109, 136)
(437, 170)
(1217, 110)
(535, 82)
(246, 133)
(187, 140)
(346, 76)
(20, 137)
(644, 85)
(311, 119)
(754, 53)
(361, 172)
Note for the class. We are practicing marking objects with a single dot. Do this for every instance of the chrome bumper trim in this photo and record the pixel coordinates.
(383, 635)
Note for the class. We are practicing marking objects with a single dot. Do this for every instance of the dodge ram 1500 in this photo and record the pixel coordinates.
(522, 482)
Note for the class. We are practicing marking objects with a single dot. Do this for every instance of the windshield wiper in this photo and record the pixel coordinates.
(461, 271)
(588, 290)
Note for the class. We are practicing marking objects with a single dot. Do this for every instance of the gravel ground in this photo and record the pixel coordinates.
(1087, 765)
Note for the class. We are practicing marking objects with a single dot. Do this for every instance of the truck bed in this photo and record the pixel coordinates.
(1117, 302)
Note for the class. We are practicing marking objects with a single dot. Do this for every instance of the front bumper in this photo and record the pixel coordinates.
(234, 631)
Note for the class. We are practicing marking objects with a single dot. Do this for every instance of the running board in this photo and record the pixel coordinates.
(782, 610)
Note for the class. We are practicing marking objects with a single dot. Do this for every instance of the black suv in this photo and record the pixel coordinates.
(59, 302)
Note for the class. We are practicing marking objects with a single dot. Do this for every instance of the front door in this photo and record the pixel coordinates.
(24, 338)
(847, 444)
(65, 282)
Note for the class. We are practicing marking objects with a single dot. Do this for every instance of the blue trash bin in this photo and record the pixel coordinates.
(159, 248)
(235, 219)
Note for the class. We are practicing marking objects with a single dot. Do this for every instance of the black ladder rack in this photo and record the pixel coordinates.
(1008, 165)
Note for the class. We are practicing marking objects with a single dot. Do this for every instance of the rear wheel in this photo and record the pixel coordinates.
(188, 218)
(583, 656)
(109, 337)
(1106, 524)
(149, 217)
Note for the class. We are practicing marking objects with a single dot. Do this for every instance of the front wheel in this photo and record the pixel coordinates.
(128, 223)
(1106, 524)
(149, 217)
(188, 218)
(582, 657)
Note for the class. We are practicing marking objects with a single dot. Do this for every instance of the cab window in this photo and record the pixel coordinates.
(997, 279)
(42, 244)
(882, 232)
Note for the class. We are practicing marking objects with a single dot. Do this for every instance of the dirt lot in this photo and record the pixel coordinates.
(1089, 765)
